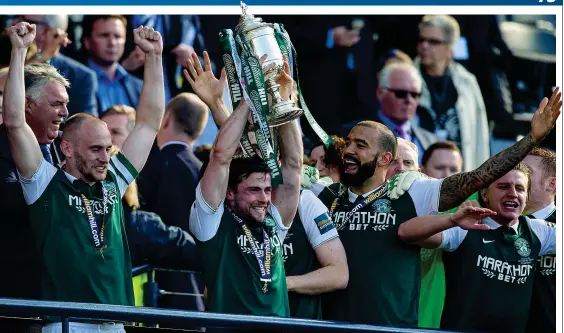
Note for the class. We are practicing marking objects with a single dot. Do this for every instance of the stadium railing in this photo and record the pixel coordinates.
(70, 311)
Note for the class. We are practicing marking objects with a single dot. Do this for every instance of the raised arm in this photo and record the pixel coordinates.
(214, 181)
(23, 143)
(209, 88)
(151, 106)
(287, 195)
(455, 189)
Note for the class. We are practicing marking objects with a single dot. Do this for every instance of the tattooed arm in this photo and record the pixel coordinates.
(456, 188)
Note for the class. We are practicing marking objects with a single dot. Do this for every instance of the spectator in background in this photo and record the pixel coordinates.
(327, 160)
(542, 315)
(344, 44)
(173, 185)
(398, 92)
(407, 158)
(182, 36)
(202, 153)
(121, 121)
(51, 36)
(103, 40)
(441, 159)
(450, 93)
(3, 77)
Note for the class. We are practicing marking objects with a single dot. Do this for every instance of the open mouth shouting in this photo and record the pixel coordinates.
(510, 206)
(351, 164)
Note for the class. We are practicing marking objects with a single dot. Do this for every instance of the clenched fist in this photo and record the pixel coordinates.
(148, 40)
(22, 35)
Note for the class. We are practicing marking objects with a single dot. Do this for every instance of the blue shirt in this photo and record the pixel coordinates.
(407, 126)
(111, 92)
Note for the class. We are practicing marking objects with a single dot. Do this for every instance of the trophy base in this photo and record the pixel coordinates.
(284, 112)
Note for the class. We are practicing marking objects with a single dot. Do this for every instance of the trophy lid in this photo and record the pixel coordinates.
(248, 21)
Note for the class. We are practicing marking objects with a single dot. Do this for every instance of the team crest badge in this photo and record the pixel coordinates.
(382, 206)
(523, 248)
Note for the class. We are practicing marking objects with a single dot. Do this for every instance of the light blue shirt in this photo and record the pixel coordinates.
(110, 92)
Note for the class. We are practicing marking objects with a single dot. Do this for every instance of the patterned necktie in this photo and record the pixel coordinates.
(46, 153)
(400, 132)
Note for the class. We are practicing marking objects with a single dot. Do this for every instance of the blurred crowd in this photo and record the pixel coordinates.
(450, 92)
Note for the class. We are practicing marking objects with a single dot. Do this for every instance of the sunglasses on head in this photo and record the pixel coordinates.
(431, 41)
(401, 93)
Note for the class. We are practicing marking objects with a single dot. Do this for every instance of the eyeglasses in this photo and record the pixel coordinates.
(431, 41)
(401, 93)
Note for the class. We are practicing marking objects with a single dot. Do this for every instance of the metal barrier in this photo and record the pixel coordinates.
(69, 311)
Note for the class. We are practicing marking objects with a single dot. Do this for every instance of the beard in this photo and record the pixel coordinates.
(248, 214)
(86, 172)
(364, 172)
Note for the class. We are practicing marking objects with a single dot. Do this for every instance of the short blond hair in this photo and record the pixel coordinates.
(121, 109)
(411, 145)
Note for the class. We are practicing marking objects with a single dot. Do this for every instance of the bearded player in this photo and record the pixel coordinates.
(384, 283)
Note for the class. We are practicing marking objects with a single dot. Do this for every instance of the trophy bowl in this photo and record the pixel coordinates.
(261, 38)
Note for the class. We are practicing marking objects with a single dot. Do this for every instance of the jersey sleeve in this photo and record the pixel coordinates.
(281, 229)
(425, 194)
(546, 235)
(34, 187)
(452, 238)
(204, 220)
(316, 220)
(125, 173)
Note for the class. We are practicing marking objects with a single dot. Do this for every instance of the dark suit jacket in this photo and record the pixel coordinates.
(19, 258)
(425, 137)
(169, 187)
(334, 93)
(82, 91)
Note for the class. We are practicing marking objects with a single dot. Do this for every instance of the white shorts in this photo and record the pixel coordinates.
(84, 328)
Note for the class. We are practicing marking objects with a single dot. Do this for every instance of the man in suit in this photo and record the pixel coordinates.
(20, 262)
(182, 36)
(336, 74)
(399, 89)
(104, 41)
(51, 36)
(169, 186)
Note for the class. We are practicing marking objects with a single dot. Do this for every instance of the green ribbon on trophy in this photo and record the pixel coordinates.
(253, 38)
(285, 45)
(246, 80)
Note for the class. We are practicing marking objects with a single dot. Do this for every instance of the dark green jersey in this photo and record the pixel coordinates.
(384, 271)
(542, 316)
(73, 270)
(231, 271)
(489, 275)
(312, 227)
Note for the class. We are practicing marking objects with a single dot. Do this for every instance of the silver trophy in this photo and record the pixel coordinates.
(260, 36)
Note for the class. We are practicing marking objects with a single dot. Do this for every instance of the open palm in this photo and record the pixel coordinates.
(469, 218)
(203, 81)
(546, 115)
